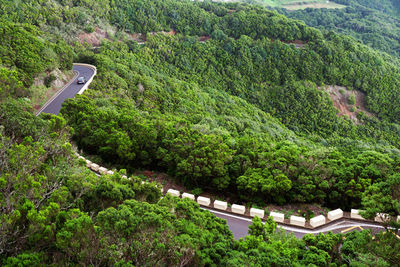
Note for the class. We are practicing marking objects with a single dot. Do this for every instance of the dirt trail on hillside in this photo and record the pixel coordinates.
(93, 38)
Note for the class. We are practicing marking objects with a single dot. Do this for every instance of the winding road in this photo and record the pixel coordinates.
(69, 91)
(237, 224)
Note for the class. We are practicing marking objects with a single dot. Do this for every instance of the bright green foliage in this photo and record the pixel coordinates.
(254, 250)
(35, 184)
(206, 138)
(243, 114)
(54, 14)
(113, 191)
(9, 84)
(327, 242)
(360, 249)
(77, 238)
(152, 232)
(257, 228)
(352, 99)
(273, 184)
(24, 259)
(23, 49)
(198, 158)
(383, 197)
(18, 119)
(268, 246)
(204, 18)
(41, 183)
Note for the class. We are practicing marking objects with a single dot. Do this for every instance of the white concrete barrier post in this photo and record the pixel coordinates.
(239, 209)
(95, 167)
(88, 163)
(335, 214)
(110, 172)
(103, 170)
(277, 216)
(382, 217)
(187, 195)
(318, 221)
(296, 220)
(257, 212)
(204, 201)
(174, 193)
(355, 214)
(221, 205)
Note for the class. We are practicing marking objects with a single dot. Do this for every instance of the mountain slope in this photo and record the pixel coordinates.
(241, 114)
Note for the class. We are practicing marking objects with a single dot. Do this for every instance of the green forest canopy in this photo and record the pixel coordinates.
(375, 23)
(242, 113)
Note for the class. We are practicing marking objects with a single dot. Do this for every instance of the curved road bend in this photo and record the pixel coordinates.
(68, 92)
(237, 224)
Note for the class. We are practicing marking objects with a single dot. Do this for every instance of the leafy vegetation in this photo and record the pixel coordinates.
(243, 113)
(190, 131)
(375, 23)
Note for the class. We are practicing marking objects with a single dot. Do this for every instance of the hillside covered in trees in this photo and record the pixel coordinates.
(375, 23)
(226, 103)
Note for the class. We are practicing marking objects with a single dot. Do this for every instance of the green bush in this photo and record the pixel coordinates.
(352, 99)
(197, 191)
(48, 80)
(89, 29)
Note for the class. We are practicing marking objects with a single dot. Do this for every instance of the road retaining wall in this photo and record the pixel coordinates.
(257, 212)
(204, 201)
(354, 214)
(335, 214)
(297, 220)
(173, 192)
(187, 195)
(317, 221)
(221, 205)
(277, 216)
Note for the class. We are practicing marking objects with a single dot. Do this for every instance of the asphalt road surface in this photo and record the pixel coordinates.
(239, 226)
(69, 92)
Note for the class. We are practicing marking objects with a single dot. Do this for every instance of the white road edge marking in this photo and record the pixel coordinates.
(227, 214)
(335, 226)
(58, 93)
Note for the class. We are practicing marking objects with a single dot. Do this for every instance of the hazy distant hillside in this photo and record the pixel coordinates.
(295, 4)
(376, 23)
(386, 6)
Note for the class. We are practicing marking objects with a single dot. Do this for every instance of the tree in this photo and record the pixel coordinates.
(78, 239)
(258, 228)
(383, 198)
(352, 99)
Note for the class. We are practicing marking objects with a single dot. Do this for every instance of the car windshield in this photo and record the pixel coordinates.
(81, 79)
